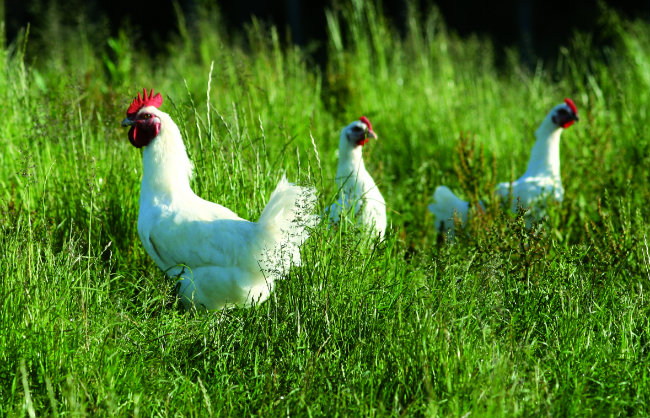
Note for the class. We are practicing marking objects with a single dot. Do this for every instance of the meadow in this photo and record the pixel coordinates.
(501, 322)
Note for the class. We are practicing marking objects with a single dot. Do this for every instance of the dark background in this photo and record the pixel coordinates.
(536, 27)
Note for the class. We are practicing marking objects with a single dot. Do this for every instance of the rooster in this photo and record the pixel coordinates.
(541, 180)
(218, 258)
(359, 198)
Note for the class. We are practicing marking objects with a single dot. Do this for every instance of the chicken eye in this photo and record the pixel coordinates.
(357, 129)
(146, 116)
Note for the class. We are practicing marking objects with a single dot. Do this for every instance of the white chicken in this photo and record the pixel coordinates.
(358, 198)
(541, 181)
(219, 258)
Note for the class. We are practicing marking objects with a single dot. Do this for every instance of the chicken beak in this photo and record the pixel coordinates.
(371, 134)
(128, 122)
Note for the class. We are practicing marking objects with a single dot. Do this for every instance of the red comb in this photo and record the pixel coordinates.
(366, 121)
(140, 102)
(572, 105)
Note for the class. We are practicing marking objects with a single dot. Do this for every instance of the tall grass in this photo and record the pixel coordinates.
(504, 322)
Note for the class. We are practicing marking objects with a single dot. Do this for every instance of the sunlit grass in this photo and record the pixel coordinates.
(503, 322)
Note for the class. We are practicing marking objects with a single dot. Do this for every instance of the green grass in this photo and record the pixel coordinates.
(503, 322)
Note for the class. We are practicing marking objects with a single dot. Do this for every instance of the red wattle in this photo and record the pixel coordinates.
(141, 135)
(132, 136)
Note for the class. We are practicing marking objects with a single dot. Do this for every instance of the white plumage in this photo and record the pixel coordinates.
(219, 258)
(446, 205)
(541, 181)
(359, 199)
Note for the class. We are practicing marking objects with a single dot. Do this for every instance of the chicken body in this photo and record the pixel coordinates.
(359, 198)
(219, 258)
(540, 182)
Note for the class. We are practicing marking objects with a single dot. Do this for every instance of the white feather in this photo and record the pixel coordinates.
(447, 206)
(219, 258)
(359, 198)
(541, 181)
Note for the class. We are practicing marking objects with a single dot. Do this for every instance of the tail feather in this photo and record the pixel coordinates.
(445, 205)
(284, 226)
